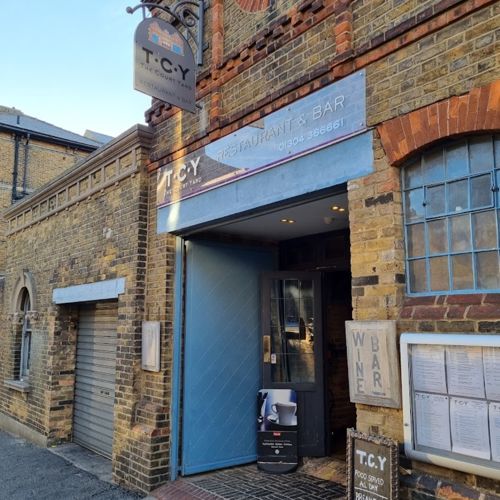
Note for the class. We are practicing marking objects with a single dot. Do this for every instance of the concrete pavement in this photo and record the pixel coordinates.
(28, 472)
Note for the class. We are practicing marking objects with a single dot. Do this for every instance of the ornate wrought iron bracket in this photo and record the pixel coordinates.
(189, 13)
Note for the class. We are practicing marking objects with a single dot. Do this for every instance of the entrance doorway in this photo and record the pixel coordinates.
(279, 279)
(328, 255)
(292, 344)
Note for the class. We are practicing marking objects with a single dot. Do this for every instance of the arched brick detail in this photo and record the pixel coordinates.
(24, 280)
(253, 5)
(477, 111)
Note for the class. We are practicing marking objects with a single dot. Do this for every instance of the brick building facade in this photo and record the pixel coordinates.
(429, 76)
(97, 214)
(33, 152)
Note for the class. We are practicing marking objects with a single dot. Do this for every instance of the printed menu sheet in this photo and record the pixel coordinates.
(491, 361)
(433, 420)
(495, 431)
(428, 368)
(464, 368)
(469, 427)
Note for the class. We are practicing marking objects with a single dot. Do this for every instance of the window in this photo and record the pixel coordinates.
(451, 212)
(24, 364)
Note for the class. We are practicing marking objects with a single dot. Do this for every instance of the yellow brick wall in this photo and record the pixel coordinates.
(181, 128)
(240, 26)
(45, 161)
(449, 62)
(372, 18)
(91, 241)
(287, 64)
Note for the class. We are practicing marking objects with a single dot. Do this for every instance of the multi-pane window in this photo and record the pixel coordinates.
(451, 209)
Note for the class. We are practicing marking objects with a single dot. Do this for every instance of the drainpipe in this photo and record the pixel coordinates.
(15, 166)
(25, 169)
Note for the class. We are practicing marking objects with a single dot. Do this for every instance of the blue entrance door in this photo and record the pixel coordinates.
(222, 371)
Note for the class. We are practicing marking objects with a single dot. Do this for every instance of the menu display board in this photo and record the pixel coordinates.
(451, 400)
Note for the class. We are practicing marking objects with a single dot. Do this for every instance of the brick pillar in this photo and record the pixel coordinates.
(343, 27)
(217, 58)
(61, 361)
(343, 32)
(377, 266)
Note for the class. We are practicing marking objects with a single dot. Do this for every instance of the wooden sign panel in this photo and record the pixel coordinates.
(372, 467)
(373, 363)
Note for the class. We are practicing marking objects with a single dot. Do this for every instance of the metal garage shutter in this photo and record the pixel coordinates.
(95, 377)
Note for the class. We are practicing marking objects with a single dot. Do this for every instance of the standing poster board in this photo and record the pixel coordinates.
(372, 467)
(277, 439)
(451, 400)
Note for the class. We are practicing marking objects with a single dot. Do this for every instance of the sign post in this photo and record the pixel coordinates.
(372, 467)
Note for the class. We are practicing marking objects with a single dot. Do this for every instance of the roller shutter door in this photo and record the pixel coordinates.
(95, 377)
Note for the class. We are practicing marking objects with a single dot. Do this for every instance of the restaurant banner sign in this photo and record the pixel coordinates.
(312, 122)
(164, 64)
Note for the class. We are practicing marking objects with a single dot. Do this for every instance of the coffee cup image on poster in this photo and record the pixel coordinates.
(277, 410)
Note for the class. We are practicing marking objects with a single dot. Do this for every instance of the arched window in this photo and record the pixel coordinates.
(25, 352)
(451, 214)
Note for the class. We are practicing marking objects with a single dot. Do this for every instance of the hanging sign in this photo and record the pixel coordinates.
(164, 64)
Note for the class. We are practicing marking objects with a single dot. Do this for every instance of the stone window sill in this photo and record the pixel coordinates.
(18, 385)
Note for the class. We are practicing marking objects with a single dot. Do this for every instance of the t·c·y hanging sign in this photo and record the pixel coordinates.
(164, 65)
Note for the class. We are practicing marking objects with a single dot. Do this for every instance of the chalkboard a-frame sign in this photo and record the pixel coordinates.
(372, 467)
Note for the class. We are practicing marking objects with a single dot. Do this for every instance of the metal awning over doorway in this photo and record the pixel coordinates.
(299, 179)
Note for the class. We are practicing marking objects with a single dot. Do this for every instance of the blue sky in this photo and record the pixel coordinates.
(70, 63)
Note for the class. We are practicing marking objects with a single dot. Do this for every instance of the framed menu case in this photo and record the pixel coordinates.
(451, 400)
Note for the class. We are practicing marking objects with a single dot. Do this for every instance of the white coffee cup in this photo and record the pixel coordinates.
(286, 413)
